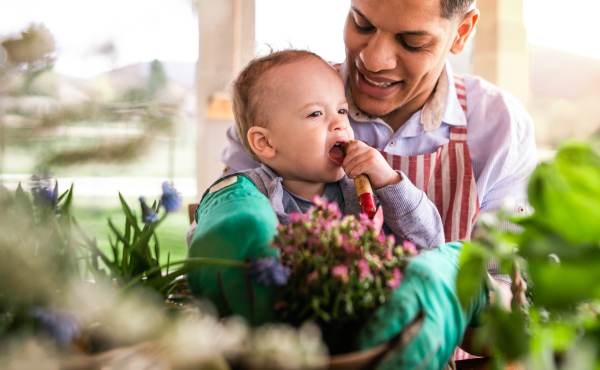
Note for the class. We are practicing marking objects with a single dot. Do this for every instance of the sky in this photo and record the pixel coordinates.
(143, 30)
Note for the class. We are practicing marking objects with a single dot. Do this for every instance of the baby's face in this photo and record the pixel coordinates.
(308, 121)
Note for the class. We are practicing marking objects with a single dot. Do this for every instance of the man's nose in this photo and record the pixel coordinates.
(379, 53)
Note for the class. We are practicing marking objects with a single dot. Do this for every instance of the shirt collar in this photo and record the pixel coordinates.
(442, 106)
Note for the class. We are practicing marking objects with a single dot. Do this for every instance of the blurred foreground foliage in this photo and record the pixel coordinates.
(558, 250)
(36, 104)
(50, 315)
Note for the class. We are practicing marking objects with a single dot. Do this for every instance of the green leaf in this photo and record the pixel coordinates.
(161, 283)
(471, 275)
(129, 214)
(566, 193)
(61, 197)
(23, 202)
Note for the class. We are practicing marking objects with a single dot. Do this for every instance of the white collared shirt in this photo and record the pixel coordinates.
(500, 138)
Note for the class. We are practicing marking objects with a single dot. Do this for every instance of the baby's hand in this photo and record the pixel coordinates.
(361, 158)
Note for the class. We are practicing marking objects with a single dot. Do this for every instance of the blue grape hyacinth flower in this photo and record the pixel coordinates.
(62, 325)
(268, 271)
(43, 194)
(149, 216)
(170, 199)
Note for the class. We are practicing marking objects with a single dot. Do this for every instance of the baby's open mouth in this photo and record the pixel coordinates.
(336, 153)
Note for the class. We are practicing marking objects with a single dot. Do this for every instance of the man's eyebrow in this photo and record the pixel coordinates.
(413, 33)
(361, 14)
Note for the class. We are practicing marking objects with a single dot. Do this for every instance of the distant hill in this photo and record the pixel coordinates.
(555, 73)
(136, 74)
(560, 74)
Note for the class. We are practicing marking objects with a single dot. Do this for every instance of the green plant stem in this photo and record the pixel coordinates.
(191, 263)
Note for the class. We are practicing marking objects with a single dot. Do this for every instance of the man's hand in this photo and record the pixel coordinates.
(362, 159)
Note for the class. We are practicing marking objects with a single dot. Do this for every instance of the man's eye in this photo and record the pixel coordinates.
(364, 28)
(343, 111)
(315, 114)
(410, 47)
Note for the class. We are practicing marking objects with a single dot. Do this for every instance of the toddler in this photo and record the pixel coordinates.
(291, 114)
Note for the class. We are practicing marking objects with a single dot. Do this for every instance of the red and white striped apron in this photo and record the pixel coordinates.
(446, 176)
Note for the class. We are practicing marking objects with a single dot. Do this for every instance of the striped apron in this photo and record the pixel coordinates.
(446, 177)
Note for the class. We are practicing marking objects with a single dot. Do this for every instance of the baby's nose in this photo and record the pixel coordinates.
(339, 123)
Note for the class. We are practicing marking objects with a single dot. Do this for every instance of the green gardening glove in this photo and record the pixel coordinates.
(429, 284)
(234, 223)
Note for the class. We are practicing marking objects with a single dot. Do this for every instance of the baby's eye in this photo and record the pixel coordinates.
(343, 111)
(315, 114)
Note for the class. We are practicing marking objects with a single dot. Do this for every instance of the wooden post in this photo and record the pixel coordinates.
(501, 53)
(226, 42)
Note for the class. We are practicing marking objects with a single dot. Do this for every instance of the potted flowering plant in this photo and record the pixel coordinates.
(340, 270)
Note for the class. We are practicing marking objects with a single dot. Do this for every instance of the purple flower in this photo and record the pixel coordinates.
(268, 271)
(340, 272)
(170, 199)
(149, 216)
(43, 195)
(62, 325)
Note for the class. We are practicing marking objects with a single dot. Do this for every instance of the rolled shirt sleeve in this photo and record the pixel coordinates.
(410, 215)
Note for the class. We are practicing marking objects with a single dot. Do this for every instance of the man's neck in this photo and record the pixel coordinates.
(399, 117)
(304, 189)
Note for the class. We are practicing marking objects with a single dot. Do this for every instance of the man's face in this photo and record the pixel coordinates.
(395, 50)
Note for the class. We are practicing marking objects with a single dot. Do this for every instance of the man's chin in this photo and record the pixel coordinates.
(371, 107)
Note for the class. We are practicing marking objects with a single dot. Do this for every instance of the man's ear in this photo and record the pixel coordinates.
(258, 138)
(465, 29)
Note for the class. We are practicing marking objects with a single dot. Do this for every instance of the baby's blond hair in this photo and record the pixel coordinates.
(250, 93)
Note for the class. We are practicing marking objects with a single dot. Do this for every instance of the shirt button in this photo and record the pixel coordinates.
(392, 143)
(225, 169)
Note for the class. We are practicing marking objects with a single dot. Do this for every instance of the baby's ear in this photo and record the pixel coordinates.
(258, 138)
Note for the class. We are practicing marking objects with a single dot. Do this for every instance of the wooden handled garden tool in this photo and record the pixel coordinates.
(366, 198)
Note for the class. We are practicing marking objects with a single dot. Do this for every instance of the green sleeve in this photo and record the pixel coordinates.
(234, 223)
(430, 284)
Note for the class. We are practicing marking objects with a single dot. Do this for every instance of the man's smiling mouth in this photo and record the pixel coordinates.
(378, 84)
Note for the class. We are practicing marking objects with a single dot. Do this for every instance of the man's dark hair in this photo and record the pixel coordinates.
(454, 8)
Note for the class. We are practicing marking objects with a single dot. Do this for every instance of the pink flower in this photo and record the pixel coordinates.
(395, 281)
(335, 210)
(364, 218)
(377, 262)
(341, 239)
(319, 202)
(388, 254)
(341, 272)
(364, 270)
(297, 216)
(312, 276)
(349, 248)
(410, 248)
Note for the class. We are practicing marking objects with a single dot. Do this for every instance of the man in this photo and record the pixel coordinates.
(468, 144)
(404, 99)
